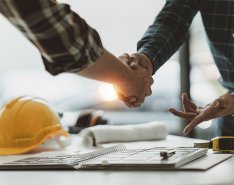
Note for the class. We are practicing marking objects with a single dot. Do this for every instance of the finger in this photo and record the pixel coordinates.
(185, 102)
(191, 106)
(133, 102)
(133, 64)
(128, 104)
(139, 101)
(151, 81)
(148, 80)
(148, 92)
(135, 105)
(200, 109)
(124, 57)
(198, 119)
(207, 114)
(148, 83)
(132, 61)
(135, 55)
(184, 115)
(210, 111)
(130, 99)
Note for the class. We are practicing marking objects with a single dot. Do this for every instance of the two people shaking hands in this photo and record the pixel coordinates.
(68, 44)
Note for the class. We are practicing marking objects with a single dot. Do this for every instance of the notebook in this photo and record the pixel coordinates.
(116, 157)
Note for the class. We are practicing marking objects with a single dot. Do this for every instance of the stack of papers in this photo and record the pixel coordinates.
(115, 157)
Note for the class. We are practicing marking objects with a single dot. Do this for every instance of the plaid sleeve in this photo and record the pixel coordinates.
(168, 31)
(66, 42)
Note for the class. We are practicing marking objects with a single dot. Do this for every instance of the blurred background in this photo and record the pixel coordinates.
(120, 24)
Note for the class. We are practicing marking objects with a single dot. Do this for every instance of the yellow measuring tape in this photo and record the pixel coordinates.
(223, 144)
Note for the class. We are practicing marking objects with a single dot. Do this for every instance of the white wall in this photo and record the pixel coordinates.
(121, 23)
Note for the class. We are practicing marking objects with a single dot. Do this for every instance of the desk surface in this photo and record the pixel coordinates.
(220, 174)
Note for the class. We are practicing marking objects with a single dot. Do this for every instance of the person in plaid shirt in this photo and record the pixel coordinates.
(68, 44)
(166, 35)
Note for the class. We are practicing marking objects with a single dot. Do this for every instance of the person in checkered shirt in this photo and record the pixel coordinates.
(68, 44)
(167, 33)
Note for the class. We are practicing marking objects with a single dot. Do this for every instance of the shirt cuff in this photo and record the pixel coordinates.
(154, 58)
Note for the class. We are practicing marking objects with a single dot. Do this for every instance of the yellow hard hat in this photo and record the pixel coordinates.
(26, 123)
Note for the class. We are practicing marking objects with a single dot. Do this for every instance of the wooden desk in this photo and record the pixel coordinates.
(222, 174)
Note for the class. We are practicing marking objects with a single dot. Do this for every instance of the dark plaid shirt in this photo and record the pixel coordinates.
(66, 42)
(169, 30)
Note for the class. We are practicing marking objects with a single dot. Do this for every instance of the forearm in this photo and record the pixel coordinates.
(131, 84)
(68, 44)
(168, 31)
(65, 41)
(108, 69)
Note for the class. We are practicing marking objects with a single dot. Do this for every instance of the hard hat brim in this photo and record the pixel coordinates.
(21, 150)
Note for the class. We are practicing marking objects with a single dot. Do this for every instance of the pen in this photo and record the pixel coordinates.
(167, 154)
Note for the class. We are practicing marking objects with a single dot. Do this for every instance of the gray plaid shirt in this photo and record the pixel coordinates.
(169, 30)
(66, 42)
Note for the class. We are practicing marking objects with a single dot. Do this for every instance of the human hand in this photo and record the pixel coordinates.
(136, 87)
(221, 106)
(136, 61)
(127, 81)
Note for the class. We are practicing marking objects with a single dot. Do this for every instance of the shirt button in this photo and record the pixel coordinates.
(233, 35)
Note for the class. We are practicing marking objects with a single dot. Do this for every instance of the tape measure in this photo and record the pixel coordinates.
(223, 144)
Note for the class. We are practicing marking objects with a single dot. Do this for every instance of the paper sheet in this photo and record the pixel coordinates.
(206, 162)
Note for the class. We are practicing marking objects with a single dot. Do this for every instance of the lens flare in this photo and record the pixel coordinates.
(205, 124)
(107, 92)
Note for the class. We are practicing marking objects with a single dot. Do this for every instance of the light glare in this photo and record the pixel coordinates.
(107, 92)
(205, 124)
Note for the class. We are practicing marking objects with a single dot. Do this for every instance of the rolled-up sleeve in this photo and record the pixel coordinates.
(66, 42)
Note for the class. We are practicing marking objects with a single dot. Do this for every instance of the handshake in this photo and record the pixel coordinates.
(136, 85)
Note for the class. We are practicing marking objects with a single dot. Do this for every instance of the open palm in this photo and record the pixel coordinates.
(222, 106)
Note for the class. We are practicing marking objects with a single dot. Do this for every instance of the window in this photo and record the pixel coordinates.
(121, 24)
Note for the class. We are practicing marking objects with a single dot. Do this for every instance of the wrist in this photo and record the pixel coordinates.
(120, 73)
(148, 63)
